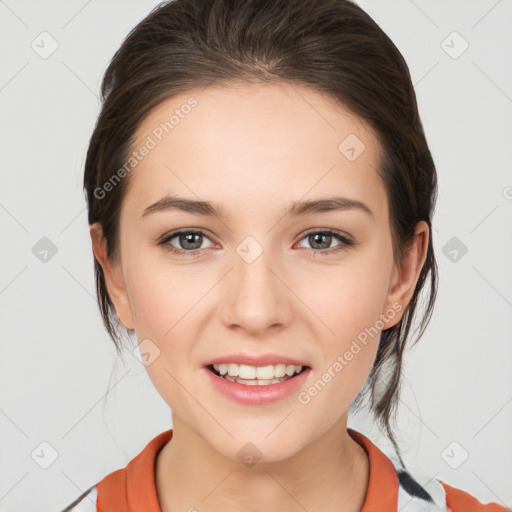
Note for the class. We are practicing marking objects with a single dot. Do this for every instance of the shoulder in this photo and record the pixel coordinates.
(437, 496)
(126, 489)
(109, 494)
(458, 500)
(86, 502)
(412, 489)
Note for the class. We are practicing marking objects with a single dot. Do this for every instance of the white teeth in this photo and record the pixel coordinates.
(232, 369)
(262, 373)
(248, 372)
(256, 382)
(279, 370)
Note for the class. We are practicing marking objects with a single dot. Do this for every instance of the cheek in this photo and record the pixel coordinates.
(349, 299)
(162, 295)
(347, 305)
(165, 302)
(347, 347)
(163, 306)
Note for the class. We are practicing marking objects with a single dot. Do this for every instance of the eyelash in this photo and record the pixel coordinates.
(345, 242)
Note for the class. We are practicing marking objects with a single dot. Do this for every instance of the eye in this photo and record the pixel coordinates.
(324, 238)
(190, 242)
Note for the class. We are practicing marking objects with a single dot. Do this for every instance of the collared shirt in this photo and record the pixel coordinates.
(133, 488)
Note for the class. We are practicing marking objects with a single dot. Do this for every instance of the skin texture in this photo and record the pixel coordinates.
(254, 149)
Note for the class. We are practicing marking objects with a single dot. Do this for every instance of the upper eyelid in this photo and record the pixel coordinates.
(324, 230)
(173, 234)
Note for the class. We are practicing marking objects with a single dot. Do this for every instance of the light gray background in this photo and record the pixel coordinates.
(56, 358)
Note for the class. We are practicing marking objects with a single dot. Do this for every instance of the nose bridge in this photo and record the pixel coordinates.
(255, 297)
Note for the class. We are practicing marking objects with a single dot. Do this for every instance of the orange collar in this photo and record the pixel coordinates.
(382, 492)
(133, 488)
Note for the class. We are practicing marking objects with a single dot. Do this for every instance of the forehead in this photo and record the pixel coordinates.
(244, 142)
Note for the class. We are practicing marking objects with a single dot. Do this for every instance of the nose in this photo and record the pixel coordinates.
(256, 297)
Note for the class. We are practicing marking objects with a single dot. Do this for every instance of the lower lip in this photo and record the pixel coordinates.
(257, 395)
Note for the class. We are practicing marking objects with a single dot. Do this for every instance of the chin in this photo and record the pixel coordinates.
(257, 449)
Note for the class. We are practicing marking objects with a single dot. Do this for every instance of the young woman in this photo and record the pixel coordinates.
(260, 197)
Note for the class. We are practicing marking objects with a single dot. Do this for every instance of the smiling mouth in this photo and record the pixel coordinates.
(256, 381)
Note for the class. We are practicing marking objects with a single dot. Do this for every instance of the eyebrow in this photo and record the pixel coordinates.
(298, 208)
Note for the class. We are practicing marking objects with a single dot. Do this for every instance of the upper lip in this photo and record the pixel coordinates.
(256, 360)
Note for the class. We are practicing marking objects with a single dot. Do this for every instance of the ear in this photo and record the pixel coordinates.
(405, 277)
(114, 278)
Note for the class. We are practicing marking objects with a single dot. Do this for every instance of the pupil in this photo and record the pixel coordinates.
(187, 238)
(319, 235)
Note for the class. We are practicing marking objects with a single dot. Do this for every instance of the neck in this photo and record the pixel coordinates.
(330, 474)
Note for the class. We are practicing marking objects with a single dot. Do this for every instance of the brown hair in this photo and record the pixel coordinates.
(330, 46)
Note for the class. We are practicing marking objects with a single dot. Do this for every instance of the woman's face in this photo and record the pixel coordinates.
(261, 281)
